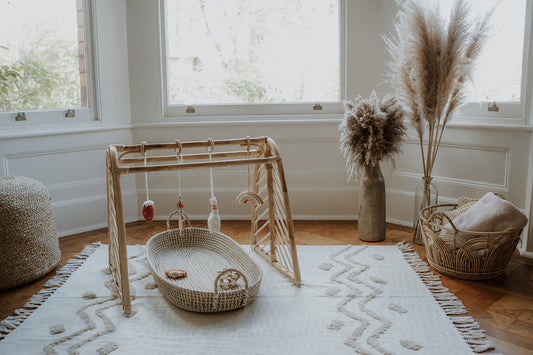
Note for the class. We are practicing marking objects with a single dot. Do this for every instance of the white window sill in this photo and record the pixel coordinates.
(36, 130)
(281, 119)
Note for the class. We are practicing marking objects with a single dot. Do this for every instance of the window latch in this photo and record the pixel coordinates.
(21, 116)
(70, 113)
(190, 109)
(493, 107)
(317, 107)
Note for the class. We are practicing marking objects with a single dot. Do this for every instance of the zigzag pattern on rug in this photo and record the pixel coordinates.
(11, 322)
(348, 276)
(104, 304)
(353, 269)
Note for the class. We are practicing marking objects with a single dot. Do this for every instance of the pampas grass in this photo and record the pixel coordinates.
(430, 63)
(371, 131)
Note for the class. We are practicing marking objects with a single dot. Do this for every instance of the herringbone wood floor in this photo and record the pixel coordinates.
(503, 306)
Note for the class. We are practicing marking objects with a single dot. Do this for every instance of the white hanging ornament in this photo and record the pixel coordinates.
(213, 222)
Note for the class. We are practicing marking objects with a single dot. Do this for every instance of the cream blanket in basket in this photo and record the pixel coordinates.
(490, 214)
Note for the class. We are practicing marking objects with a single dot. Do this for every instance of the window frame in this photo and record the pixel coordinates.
(57, 116)
(509, 112)
(252, 109)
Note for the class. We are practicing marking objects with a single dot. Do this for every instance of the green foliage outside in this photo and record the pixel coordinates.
(44, 74)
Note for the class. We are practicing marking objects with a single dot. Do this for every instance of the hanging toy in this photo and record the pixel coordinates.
(249, 195)
(180, 204)
(213, 222)
(148, 207)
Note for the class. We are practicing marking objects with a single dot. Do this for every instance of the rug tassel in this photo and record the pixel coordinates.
(450, 304)
(51, 285)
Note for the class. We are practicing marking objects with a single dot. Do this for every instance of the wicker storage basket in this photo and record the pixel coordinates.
(462, 254)
(210, 260)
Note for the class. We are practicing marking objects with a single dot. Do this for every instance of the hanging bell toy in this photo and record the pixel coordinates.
(148, 207)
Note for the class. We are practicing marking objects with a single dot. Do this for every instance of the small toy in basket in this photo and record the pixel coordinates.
(474, 239)
(220, 276)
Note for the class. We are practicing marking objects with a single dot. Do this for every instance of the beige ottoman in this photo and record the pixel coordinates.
(28, 241)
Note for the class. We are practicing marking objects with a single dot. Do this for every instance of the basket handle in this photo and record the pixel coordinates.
(438, 215)
(183, 217)
(228, 273)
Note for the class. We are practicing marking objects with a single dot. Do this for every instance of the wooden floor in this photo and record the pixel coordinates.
(503, 306)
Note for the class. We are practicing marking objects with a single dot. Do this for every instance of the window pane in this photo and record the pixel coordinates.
(42, 55)
(498, 72)
(249, 51)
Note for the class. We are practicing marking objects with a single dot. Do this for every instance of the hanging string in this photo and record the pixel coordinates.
(146, 179)
(179, 157)
(213, 221)
(248, 165)
(210, 151)
(148, 206)
(249, 195)
(180, 203)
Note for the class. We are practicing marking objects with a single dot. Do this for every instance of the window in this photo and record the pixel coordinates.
(44, 57)
(226, 56)
(498, 75)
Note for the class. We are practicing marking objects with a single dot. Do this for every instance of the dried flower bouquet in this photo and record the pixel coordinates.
(431, 61)
(371, 131)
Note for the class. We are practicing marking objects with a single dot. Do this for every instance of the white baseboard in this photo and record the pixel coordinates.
(93, 227)
(526, 254)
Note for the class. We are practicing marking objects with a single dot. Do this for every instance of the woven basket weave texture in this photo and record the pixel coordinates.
(29, 245)
(479, 256)
(205, 256)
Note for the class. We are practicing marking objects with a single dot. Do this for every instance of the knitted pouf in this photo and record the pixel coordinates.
(29, 247)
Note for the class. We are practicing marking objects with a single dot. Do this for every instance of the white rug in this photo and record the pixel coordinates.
(354, 299)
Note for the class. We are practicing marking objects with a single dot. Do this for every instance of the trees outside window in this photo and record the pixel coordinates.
(42, 55)
(248, 51)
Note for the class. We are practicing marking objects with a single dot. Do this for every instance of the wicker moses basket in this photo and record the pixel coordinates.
(220, 275)
(463, 254)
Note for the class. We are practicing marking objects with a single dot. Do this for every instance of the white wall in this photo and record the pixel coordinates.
(472, 159)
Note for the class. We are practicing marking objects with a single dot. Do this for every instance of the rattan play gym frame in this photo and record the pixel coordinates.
(272, 229)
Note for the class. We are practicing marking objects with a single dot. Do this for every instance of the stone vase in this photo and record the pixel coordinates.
(372, 204)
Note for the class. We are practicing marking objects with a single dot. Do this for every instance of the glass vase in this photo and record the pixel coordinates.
(426, 194)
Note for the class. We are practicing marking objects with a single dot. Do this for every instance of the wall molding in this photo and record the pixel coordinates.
(91, 228)
(448, 144)
(454, 181)
(503, 187)
(63, 129)
(299, 120)
(76, 183)
(37, 153)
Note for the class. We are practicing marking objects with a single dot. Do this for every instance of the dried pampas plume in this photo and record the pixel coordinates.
(430, 63)
(371, 131)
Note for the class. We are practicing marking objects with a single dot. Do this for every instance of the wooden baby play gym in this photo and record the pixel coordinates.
(272, 230)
